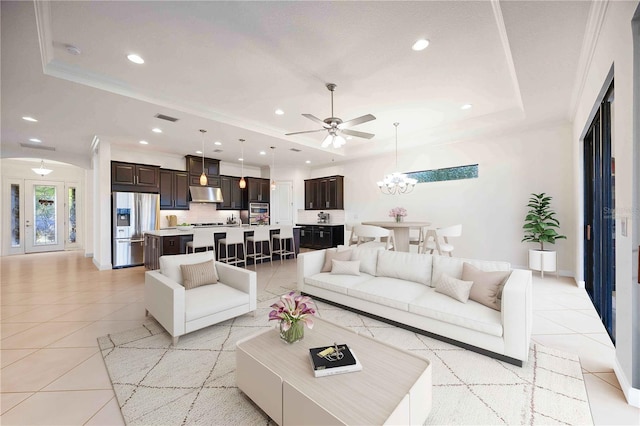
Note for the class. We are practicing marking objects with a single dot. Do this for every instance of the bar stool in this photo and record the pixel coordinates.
(285, 233)
(234, 237)
(202, 238)
(261, 234)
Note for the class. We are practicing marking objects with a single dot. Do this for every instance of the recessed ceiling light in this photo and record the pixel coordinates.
(308, 161)
(420, 45)
(218, 143)
(136, 59)
(198, 152)
(240, 159)
(144, 143)
(27, 118)
(279, 112)
(156, 130)
(263, 153)
(466, 106)
(35, 140)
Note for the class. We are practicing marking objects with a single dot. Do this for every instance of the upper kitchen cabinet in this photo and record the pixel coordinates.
(231, 194)
(132, 177)
(174, 190)
(325, 193)
(258, 190)
(211, 170)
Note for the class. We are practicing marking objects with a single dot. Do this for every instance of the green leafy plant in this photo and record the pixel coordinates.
(540, 224)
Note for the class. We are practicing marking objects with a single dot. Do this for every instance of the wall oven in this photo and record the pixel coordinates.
(258, 212)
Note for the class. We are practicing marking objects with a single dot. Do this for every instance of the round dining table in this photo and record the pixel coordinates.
(400, 231)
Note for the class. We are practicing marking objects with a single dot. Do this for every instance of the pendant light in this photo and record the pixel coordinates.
(243, 183)
(203, 177)
(41, 170)
(396, 182)
(273, 168)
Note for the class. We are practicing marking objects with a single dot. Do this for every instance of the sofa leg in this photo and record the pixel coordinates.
(174, 340)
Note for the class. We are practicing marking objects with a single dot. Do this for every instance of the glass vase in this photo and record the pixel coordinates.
(294, 333)
(398, 219)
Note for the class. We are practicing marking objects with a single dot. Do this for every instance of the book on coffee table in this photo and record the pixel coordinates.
(333, 359)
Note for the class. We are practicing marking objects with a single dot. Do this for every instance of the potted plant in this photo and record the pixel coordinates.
(540, 226)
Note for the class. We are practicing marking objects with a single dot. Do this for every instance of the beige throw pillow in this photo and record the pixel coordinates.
(454, 287)
(485, 284)
(338, 255)
(198, 274)
(345, 267)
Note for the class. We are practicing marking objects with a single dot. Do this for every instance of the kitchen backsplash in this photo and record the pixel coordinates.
(198, 213)
(311, 216)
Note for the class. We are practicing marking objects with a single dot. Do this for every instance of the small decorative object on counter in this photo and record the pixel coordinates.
(398, 213)
(293, 312)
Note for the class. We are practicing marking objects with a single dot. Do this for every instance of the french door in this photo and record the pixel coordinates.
(599, 213)
(44, 213)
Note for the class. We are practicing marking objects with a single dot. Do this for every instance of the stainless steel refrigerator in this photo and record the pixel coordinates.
(133, 214)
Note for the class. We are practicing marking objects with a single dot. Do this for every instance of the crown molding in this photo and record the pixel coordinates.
(595, 20)
(45, 39)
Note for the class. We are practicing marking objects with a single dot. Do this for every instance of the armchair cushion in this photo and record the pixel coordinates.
(170, 265)
(197, 274)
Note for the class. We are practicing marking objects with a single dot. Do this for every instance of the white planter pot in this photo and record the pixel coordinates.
(543, 261)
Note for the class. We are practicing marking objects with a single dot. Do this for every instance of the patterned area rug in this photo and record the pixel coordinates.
(194, 383)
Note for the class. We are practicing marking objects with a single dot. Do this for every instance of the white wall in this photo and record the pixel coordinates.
(491, 207)
(614, 48)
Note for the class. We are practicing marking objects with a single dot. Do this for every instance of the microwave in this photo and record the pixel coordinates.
(257, 209)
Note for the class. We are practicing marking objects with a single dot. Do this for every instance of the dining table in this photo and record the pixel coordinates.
(400, 230)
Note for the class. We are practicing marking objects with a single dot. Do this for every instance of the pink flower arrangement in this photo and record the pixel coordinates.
(291, 309)
(263, 218)
(398, 212)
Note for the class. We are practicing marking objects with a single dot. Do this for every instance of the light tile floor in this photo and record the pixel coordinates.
(55, 305)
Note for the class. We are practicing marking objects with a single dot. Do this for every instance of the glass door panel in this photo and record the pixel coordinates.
(44, 216)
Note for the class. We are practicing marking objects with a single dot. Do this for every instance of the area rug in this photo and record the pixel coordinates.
(194, 382)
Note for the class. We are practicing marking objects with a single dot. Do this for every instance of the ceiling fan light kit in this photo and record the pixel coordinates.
(336, 127)
(396, 182)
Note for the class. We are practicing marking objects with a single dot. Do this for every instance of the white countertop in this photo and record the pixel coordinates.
(172, 232)
(319, 224)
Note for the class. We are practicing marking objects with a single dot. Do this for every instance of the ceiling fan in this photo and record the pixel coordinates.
(336, 127)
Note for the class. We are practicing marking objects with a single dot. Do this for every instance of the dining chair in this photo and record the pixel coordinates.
(353, 239)
(374, 236)
(441, 241)
(416, 237)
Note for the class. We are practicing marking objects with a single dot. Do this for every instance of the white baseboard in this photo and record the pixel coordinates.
(88, 254)
(580, 284)
(100, 266)
(632, 394)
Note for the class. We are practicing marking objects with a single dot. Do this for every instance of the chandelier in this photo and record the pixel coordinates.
(396, 182)
(41, 170)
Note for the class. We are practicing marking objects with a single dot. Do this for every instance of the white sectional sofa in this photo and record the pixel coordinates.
(398, 287)
(181, 311)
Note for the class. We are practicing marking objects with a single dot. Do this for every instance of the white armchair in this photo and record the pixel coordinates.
(182, 311)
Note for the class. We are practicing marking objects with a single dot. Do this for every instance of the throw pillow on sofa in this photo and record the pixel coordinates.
(368, 258)
(345, 267)
(454, 288)
(485, 284)
(197, 274)
(329, 255)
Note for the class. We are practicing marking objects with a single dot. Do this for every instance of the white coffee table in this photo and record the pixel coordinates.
(394, 386)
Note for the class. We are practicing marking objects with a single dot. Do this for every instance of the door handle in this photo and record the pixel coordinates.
(588, 232)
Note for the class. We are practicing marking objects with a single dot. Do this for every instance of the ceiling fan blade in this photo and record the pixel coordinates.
(357, 134)
(317, 120)
(306, 131)
(356, 121)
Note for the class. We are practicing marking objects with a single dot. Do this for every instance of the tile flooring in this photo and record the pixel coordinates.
(55, 305)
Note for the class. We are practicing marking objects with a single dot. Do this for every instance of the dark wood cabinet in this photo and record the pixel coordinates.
(174, 190)
(211, 170)
(325, 193)
(134, 177)
(258, 190)
(156, 246)
(231, 193)
(321, 236)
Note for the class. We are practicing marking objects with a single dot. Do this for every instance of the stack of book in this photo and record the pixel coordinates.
(334, 359)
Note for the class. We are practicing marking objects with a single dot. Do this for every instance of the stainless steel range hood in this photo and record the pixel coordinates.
(205, 194)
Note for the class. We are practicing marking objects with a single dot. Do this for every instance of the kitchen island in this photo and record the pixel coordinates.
(174, 241)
